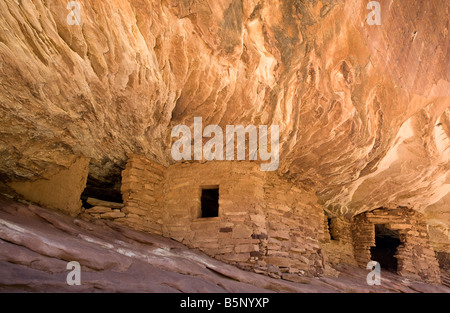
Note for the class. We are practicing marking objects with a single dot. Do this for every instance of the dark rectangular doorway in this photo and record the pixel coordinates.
(386, 244)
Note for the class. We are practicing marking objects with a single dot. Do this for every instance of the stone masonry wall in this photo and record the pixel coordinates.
(338, 250)
(265, 223)
(294, 227)
(142, 183)
(230, 236)
(364, 238)
(416, 258)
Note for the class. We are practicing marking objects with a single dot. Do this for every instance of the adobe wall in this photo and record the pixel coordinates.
(415, 257)
(61, 191)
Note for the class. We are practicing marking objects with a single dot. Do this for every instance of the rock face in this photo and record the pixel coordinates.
(37, 244)
(363, 110)
(60, 191)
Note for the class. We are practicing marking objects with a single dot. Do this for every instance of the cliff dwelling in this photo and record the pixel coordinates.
(386, 243)
(261, 222)
(225, 145)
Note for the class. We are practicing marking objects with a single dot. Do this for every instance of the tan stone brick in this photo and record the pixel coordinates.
(98, 209)
(96, 215)
(224, 250)
(131, 179)
(278, 261)
(241, 231)
(205, 225)
(134, 210)
(258, 218)
(134, 186)
(246, 248)
(399, 226)
(278, 253)
(234, 242)
(205, 236)
(279, 234)
(112, 215)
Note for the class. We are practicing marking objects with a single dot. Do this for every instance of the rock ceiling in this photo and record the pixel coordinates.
(363, 110)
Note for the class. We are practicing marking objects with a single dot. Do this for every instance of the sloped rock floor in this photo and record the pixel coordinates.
(36, 244)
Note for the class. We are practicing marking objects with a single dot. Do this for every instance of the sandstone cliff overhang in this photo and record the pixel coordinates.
(363, 110)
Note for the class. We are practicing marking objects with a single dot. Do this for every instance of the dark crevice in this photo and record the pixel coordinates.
(103, 190)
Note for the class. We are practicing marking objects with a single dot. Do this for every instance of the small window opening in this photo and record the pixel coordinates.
(210, 202)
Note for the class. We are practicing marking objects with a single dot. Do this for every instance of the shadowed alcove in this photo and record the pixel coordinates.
(386, 244)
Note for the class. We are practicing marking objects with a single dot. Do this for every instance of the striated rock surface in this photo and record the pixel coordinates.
(363, 110)
(37, 244)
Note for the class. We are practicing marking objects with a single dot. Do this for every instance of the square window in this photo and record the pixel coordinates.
(210, 202)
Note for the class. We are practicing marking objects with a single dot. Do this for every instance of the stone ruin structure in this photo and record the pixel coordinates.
(255, 220)
(261, 222)
(412, 255)
(363, 113)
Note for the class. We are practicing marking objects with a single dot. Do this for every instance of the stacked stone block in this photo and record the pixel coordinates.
(103, 210)
(415, 257)
(265, 223)
(338, 250)
(230, 236)
(294, 224)
(142, 183)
